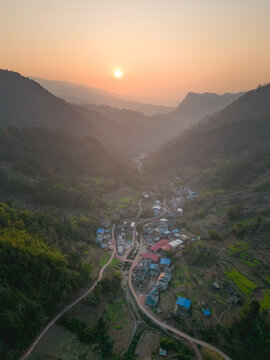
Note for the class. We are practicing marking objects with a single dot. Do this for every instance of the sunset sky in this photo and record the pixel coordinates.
(164, 47)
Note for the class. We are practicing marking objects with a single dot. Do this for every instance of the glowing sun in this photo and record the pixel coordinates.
(118, 73)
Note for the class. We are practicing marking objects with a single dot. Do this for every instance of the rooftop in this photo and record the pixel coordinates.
(186, 303)
(206, 312)
(165, 261)
(154, 258)
(159, 245)
(175, 243)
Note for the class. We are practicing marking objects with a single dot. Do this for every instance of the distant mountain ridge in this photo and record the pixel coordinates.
(195, 106)
(240, 129)
(25, 103)
(80, 94)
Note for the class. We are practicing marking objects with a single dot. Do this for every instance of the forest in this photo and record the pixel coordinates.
(40, 266)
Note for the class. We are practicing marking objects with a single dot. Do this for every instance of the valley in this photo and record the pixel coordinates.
(210, 295)
(157, 252)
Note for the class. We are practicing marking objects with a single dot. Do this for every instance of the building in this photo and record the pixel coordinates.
(163, 225)
(206, 312)
(99, 236)
(142, 272)
(235, 299)
(167, 247)
(183, 306)
(153, 257)
(165, 264)
(159, 245)
(163, 281)
(167, 234)
(120, 249)
(175, 243)
(154, 270)
(162, 352)
(152, 297)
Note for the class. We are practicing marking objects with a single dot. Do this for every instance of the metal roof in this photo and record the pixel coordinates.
(186, 303)
(175, 243)
(165, 261)
(206, 312)
(159, 245)
(153, 257)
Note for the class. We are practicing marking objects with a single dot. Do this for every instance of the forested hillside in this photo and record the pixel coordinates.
(40, 265)
(196, 106)
(236, 137)
(58, 169)
(23, 102)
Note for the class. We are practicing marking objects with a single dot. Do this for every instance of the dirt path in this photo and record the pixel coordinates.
(86, 293)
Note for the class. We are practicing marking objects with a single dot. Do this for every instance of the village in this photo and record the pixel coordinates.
(157, 248)
(155, 269)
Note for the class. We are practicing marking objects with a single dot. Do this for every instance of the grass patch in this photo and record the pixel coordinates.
(217, 297)
(222, 302)
(243, 283)
(249, 263)
(104, 259)
(239, 247)
(98, 180)
(125, 200)
(114, 263)
(267, 278)
(118, 327)
(121, 206)
(115, 310)
(265, 303)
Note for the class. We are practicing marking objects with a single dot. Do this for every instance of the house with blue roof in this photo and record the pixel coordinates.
(183, 306)
(152, 297)
(154, 270)
(206, 312)
(176, 231)
(99, 236)
(165, 261)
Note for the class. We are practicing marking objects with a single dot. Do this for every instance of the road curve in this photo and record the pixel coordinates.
(162, 324)
(86, 293)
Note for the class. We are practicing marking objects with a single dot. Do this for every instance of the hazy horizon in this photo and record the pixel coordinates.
(163, 49)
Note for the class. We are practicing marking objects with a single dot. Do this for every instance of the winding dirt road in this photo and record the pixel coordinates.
(86, 293)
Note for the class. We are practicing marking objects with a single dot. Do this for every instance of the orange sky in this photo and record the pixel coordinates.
(164, 47)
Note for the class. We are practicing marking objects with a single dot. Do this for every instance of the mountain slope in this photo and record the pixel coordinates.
(79, 94)
(196, 106)
(241, 129)
(131, 131)
(23, 102)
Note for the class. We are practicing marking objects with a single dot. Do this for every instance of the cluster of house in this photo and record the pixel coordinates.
(156, 207)
(154, 268)
(162, 236)
(181, 194)
(123, 236)
(183, 306)
(103, 237)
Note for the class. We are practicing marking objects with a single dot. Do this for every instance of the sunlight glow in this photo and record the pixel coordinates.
(118, 73)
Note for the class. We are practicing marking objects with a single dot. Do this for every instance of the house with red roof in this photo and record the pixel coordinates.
(154, 257)
(159, 245)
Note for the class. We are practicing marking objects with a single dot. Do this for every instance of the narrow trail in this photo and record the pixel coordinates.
(86, 293)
